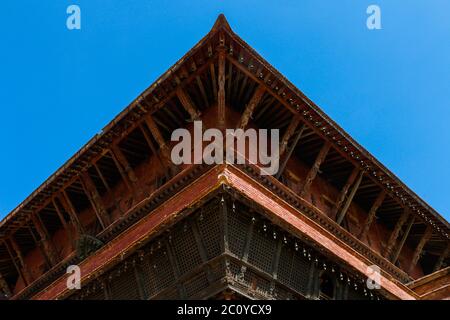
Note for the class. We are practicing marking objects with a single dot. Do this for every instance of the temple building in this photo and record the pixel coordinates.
(140, 227)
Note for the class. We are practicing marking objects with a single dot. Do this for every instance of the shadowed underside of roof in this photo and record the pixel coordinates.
(222, 76)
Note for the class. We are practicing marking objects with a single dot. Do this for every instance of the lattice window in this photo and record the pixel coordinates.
(262, 250)
(185, 250)
(285, 266)
(157, 272)
(124, 286)
(300, 273)
(238, 224)
(293, 270)
(209, 225)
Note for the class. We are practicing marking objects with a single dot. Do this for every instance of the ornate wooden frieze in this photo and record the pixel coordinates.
(189, 261)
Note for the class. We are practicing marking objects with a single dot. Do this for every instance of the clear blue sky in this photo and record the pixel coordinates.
(389, 88)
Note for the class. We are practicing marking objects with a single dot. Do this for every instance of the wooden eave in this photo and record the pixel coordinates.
(183, 203)
(239, 53)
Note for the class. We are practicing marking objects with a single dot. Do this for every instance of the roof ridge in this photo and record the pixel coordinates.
(221, 23)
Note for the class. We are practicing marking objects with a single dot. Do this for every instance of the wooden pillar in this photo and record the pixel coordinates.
(24, 270)
(187, 104)
(288, 134)
(102, 177)
(344, 210)
(63, 222)
(315, 168)
(212, 69)
(138, 273)
(221, 91)
(39, 245)
(403, 240)
(254, 101)
(159, 138)
(340, 201)
(176, 270)
(16, 266)
(275, 264)
(417, 253)
(69, 208)
(373, 210)
(202, 250)
(152, 146)
(224, 216)
(49, 249)
(291, 148)
(248, 241)
(95, 199)
(276, 260)
(124, 164)
(441, 259)
(394, 235)
(123, 174)
(312, 280)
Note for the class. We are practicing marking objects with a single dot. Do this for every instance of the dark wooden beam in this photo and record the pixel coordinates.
(441, 259)
(350, 197)
(25, 271)
(63, 222)
(418, 252)
(176, 270)
(38, 244)
(152, 126)
(288, 134)
(315, 169)
(95, 199)
(202, 250)
(253, 103)
(153, 148)
(124, 164)
(221, 91)
(243, 84)
(187, 104)
(202, 90)
(373, 210)
(276, 260)
(290, 149)
(69, 208)
(275, 265)
(18, 268)
(233, 61)
(49, 248)
(122, 172)
(394, 235)
(312, 278)
(340, 201)
(403, 240)
(213, 79)
(224, 215)
(138, 273)
(248, 241)
(102, 177)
